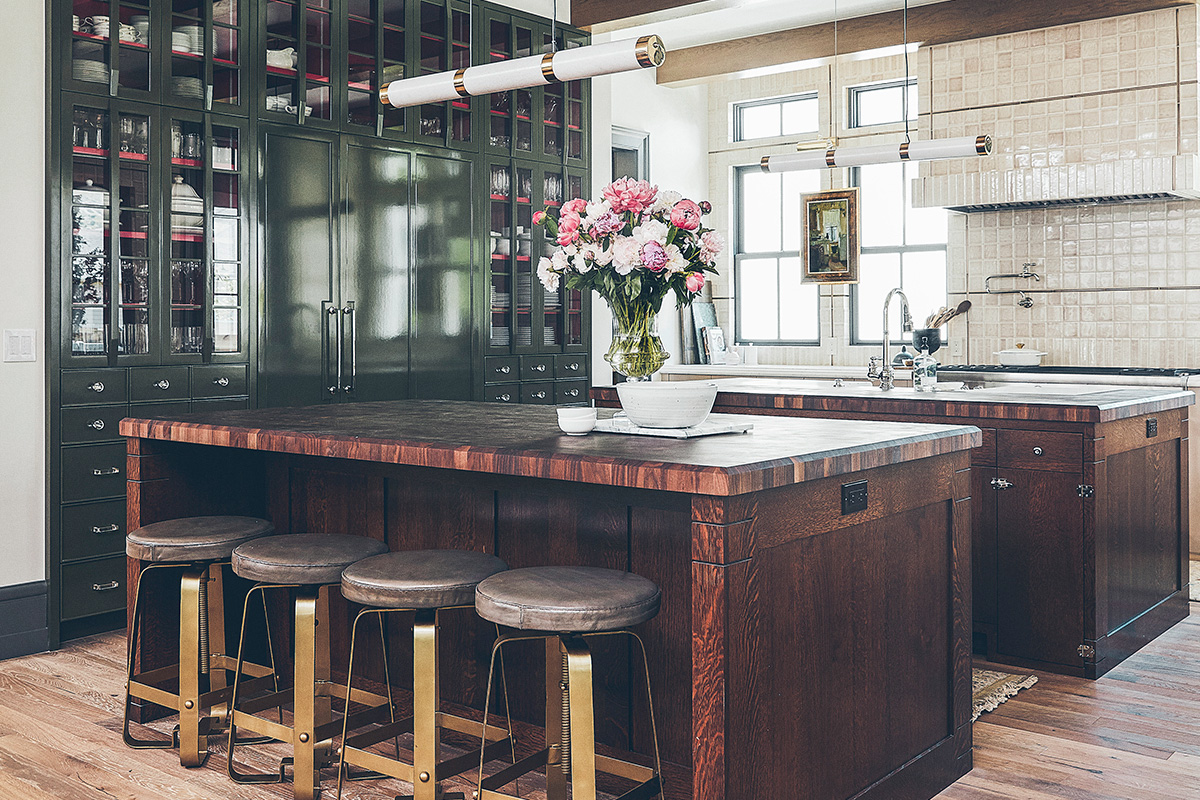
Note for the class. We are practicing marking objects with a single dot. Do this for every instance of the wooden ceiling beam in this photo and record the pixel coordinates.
(599, 16)
(952, 21)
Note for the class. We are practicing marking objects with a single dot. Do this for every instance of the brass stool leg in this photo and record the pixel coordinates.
(216, 625)
(557, 734)
(192, 753)
(135, 628)
(342, 766)
(310, 711)
(425, 705)
(650, 702)
(583, 724)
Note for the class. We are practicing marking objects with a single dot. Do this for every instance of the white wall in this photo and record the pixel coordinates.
(677, 121)
(22, 276)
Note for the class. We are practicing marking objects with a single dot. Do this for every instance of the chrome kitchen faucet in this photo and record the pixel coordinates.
(885, 372)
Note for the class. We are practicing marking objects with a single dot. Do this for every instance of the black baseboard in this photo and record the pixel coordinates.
(23, 628)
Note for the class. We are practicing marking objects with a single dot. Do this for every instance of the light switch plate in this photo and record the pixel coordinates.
(19, 345)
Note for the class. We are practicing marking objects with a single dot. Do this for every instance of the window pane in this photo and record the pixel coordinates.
(922, 225)
(878, 274)
(881, 196)
(883, 105)
(760, 212)
(798, 314)
(800, 116)
(796, 184)
(760, 121)
(925, 283)
(758, 291)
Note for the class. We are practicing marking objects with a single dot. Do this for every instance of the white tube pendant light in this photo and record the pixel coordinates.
(930, 150)
(521, 73)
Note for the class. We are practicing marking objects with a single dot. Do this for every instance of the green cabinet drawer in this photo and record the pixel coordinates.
(570, 366)
(91, 424)
(219, 380)
(501, 369)
(158, 383)
(86, 386)
(222, 404)
(541, 393)
(570, 392)
(93, 587)
(93, 471)
(95, 529)
(502, 394)
(537, 368)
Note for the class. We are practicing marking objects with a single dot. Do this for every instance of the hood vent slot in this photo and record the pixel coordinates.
(1070, 201)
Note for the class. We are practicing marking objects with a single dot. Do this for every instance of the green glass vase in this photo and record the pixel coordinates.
(637, 351)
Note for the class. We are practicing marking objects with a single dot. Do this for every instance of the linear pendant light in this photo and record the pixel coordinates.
(928, 150)
(522, 73)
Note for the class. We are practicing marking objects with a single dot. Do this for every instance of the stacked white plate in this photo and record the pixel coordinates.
(524, 337)
(548, 336)
(186, 86)
(195, 38)
(501, 336)
(87, 70)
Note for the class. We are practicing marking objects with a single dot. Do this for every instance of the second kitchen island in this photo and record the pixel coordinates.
(804, 648)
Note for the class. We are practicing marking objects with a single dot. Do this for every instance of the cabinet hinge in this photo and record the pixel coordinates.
(1085, 490)
(1086, 651)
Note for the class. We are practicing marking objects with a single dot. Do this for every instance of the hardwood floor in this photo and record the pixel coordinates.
(1132, 735)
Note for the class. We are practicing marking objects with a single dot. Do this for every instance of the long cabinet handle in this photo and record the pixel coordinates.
(109, 471)
(348, 313)
(104, 587)
(106, 528)
(330, 312)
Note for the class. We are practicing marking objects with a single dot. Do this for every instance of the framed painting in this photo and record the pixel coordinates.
(831, 237)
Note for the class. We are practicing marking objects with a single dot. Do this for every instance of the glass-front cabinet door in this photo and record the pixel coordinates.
(512, 275)
(375, 55)
(509, 129)
(563, 110)
(563, 320)
(205, 70)
(443, 35)
(501, 276)
(113, 50)
(298, 37)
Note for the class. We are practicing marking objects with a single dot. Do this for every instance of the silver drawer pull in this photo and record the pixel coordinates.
(573, 367)
(504, 370)
(109, 471)
(1037, 451)
(572, 393)
(539, 395)
(164, 384)
(504, 398)
(106, 529)
(539, 367)
(1001, 483)
(221, 381)
(96, 425)
(104, 587)
(96, 387)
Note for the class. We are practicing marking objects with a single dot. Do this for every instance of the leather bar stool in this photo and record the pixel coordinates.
(575, 604)
(200, 548)
(427, 582)
(306, 565)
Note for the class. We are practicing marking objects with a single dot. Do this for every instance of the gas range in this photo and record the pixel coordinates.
(1126, 376)
(1061, 370)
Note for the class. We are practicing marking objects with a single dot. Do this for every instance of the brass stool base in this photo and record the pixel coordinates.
(427, 770)
(570, 728)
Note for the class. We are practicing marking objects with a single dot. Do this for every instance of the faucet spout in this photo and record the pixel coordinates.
(887, 374)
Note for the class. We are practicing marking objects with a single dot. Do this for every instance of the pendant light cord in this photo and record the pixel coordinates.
(834, 90)
(554, 28)
(907, 140)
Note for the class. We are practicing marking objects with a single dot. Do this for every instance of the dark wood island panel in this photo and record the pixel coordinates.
(1080, 506)
(799, 651)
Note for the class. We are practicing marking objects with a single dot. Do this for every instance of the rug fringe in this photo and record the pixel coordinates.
(992, 700)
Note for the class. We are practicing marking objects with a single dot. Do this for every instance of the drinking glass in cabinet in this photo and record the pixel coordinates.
(135, 281)
(500, 181)
(91, 129)
(134, 136)
(135, 331)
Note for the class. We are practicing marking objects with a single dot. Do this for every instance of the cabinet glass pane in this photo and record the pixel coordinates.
(134, 62)
(361, 61)
(225, 149)
(189, 153)
(187, 51)
(523, 180)
(318, 54)
(135, 281)
(90, 270)
(433, 58)
(89, 230)
(500, 238)
(226, 60)
(460, 58)
(282, 55)
(89, 331)
(90, 31)
(225, 330)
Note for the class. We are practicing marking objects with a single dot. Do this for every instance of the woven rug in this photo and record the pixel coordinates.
(1194, 594)
(990, 689)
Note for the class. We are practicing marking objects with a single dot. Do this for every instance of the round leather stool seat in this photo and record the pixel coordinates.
(567, 599)
(419, 578)
(194, 538)
(302, 558)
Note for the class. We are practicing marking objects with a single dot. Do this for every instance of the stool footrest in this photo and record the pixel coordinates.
(377, 735)
(645, 791)
(357, 719)
(453, 766)
(272, 700)
(510, 774)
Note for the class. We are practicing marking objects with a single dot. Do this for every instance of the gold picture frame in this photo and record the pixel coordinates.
(831, 237)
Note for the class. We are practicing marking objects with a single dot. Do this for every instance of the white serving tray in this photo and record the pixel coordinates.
(622, 425)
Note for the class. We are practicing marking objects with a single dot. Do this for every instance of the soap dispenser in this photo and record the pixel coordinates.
(925, 372)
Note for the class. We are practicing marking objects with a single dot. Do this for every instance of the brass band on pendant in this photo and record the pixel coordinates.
(831, 157)
(383, 94)
(983, 145)
(651, 52)
(460, 84)
(765, 164)
(548, 68)
(904, 151)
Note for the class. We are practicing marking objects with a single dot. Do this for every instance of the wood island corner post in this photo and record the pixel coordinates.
(962, 611)
(722, 542)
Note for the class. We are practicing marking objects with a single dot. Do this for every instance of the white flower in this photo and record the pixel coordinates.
(602, 255)
(581, 263)
(560, 261)
(626, 254)
(547, 275)
(650, 230)
(622, 268)
(675, 260)
(666, 201)
(595, 211)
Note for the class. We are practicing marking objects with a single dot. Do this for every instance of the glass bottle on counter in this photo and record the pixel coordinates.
(924, 372)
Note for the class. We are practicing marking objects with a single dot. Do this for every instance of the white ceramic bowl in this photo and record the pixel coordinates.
(576, 421)
(1020, 357)
(662, 404)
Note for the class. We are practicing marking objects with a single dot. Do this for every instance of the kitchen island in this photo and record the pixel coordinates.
(804, 648)
(1080, 504)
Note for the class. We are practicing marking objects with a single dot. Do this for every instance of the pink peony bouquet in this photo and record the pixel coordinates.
(633, 245)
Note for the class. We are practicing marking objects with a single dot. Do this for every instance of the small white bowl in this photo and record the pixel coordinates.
(576, 421)
(663, 404)
(1020, 357)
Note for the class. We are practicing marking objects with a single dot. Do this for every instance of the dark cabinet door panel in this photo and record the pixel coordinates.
(93, 587)
(219, 380)
(983, 544)
(1039, 554)
(501, 369)
(1062, 452)
(440, 344)
(92, 472)
(298, 213)
(375, 273)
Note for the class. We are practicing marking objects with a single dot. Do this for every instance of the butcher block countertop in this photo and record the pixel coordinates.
(526, 441)
(1050, 402)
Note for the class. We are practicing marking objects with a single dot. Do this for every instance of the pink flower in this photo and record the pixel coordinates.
(654, 256)
(538, 216)
(705, 207)
(609, 223)
(686, 215)
(626, 194)
(695, 282)
(576, 206)
(711, 244)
